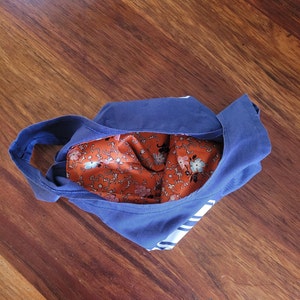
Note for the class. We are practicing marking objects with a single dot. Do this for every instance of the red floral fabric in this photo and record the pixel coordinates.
(143, 167)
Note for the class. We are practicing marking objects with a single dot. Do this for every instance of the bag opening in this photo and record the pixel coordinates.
(143, 167)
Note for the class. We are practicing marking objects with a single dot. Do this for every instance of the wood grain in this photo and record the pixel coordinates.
(14, 285)
(72, 57)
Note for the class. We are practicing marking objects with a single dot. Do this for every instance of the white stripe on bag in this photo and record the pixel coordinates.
(173, 238)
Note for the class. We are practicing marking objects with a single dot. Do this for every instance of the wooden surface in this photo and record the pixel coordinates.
(71, 57)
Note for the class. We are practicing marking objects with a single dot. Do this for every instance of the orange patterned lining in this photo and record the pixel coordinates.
(143, 167)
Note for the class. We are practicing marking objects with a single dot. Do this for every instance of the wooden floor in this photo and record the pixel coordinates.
(71, 57)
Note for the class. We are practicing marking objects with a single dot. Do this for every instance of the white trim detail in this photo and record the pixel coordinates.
(173, 238)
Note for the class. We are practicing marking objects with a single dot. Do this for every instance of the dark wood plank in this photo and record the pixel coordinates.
(62, 57)
(285, 13)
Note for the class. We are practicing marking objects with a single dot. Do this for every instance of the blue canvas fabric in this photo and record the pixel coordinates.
(152, 226)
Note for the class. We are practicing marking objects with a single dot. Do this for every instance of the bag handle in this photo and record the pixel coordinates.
(59, 131)
(52, 132)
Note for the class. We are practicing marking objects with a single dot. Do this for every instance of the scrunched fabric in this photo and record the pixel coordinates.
(143, 167)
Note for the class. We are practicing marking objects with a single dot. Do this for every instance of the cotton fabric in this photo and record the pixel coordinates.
(153, 226)
(143, 167)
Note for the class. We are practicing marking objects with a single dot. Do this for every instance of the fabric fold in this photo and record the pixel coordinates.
(143, 168)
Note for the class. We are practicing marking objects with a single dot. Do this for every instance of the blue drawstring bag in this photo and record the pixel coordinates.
(153, 226)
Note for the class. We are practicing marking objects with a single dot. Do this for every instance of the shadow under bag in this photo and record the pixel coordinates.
(149, 169)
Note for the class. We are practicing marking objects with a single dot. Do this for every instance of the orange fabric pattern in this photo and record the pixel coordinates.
(143, 167)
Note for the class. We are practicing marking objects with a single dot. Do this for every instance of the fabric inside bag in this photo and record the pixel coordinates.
(143, 167)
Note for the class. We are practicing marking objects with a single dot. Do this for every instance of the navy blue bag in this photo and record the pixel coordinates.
(152, 226)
